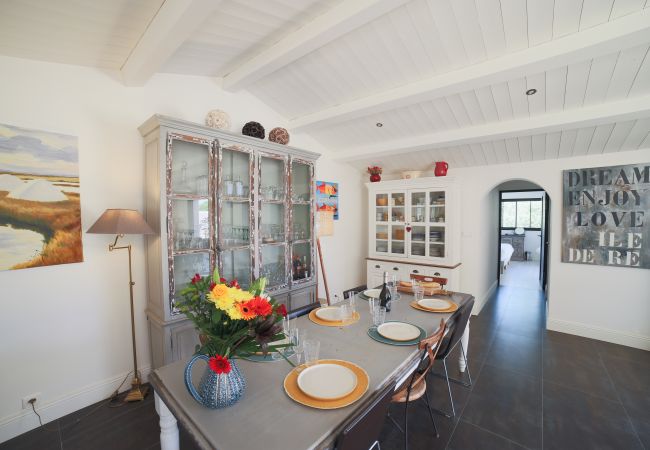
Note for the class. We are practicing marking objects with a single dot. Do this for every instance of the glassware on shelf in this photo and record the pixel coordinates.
(239, 188)
(202, 185)
(229, 186)
(183, 187)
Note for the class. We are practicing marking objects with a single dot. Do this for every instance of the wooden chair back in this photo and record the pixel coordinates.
(427, 279)
(429, 347)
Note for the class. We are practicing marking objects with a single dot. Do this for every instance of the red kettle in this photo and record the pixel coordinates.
(441, 169)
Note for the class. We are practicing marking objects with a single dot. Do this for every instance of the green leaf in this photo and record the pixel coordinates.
(215, 275)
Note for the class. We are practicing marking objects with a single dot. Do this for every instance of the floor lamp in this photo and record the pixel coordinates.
(120, 222)
(324, 227)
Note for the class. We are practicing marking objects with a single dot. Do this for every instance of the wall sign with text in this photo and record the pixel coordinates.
(607, 216)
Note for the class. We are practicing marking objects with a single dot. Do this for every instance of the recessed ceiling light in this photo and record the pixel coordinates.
(379, 124)
(531, 91)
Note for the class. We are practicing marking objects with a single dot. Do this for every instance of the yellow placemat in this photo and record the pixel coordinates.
(339, 323)
(296, 394)
(452, 308)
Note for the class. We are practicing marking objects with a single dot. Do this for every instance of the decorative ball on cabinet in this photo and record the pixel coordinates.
(279, 135)
(253, 129)
(218, 119)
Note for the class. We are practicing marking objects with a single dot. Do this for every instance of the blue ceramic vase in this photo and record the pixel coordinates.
(216, 390)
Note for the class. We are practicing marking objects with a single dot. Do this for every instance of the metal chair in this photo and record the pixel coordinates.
(363, 431)
(416, 387)
(456, 325)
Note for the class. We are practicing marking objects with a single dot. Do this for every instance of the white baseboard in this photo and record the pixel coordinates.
(602, 334)
(25, 420)
(479, 303)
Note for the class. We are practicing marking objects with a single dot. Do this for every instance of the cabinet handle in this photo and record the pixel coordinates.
(437, 274)
(395, 268)
(416, 271)
(377, 266)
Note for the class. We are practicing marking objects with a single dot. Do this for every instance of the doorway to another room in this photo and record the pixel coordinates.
(523, 238)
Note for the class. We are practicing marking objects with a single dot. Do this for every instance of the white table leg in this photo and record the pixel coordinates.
(464, 341)
(168, 427)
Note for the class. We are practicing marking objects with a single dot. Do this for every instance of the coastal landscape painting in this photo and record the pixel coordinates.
(40, 213)
(327, 197)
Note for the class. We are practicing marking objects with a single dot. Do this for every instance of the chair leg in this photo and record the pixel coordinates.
(395, 422)
(406, 425)
(451, 398)
(435, 428)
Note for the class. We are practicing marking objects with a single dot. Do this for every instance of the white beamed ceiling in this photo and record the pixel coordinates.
(446, 78)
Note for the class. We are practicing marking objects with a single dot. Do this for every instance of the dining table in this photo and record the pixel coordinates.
(266, 417)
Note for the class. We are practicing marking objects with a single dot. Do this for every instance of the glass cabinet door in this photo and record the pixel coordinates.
(273, 219)
(190, 210)
(234, 217)
(397, 218)
(301, 232)
(436, 224)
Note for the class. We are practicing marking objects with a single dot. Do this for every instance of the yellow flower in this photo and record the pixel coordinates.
(234, 313)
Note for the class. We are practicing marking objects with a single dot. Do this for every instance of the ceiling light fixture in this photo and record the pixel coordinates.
(531, 91)
(379, 124)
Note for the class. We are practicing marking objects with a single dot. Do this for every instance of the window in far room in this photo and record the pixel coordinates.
(521, 213)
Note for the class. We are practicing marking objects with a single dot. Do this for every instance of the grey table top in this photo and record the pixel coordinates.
(266, 418)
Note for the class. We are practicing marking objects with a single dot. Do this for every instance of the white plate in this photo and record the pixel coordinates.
(327, 381)
(398, 331)
(372, 293)
(434, 303)
(329, 313)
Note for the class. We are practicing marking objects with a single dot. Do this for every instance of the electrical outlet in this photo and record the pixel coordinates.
(27, 398)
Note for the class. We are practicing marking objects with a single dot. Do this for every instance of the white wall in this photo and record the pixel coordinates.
(580, 297)
(65, 330)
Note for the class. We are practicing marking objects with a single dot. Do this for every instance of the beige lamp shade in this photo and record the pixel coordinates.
(324, 223)
(120, 221)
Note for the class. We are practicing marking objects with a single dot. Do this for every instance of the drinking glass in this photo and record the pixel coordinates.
(311, 348)
(418, 291)
(352, 299)
(346, 313)
(379, 315)
(287, 327)
(373, 303)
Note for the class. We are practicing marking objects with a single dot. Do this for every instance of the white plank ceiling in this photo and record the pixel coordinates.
(81, 32)
(447, 79)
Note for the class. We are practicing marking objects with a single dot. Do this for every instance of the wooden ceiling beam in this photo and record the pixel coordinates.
(626, 32)
(172, 25)
(327, 27)
(589, 116)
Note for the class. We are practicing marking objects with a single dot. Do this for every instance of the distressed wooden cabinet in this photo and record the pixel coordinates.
(414, 228)
(219, 199)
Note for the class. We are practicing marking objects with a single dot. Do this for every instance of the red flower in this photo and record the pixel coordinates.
(281, 309)
(234, 283)
(260, 306)
(196, 278)
(212, 285)
(222, 280)
(219, 364)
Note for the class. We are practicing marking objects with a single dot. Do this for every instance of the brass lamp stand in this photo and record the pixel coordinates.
(121, 222)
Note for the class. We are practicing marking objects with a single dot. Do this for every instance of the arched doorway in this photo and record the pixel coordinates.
(523, 234)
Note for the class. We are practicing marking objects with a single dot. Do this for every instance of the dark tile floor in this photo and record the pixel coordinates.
(532, 389)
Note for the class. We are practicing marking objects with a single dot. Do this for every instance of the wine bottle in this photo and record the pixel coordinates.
(384, 295)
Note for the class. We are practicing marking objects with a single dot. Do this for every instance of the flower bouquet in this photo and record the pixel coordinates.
(232, 323)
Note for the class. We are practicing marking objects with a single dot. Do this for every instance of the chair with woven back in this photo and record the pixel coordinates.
(415, 386)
